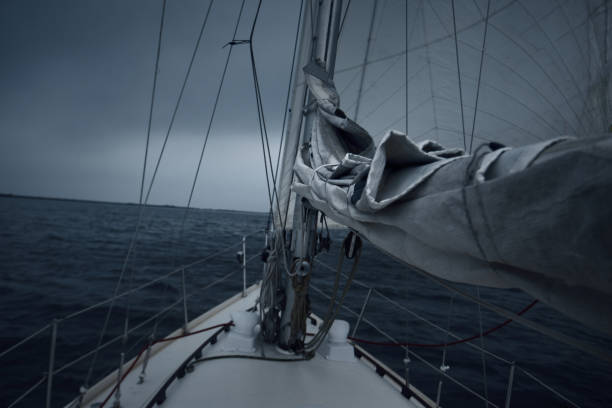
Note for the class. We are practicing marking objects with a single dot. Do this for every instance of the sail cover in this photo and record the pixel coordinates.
(536, 217)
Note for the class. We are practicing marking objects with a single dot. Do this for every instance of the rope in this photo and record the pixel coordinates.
(445, 344)
(153, 343)
(250, 357)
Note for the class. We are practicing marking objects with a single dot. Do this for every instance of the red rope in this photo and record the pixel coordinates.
(151, 345)
(452, 343)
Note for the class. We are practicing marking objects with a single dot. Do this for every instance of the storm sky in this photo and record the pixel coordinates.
(76, 79)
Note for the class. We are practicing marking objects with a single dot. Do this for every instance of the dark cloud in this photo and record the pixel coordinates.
(76, 81)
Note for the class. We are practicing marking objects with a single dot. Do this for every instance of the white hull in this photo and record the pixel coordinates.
(245, 379)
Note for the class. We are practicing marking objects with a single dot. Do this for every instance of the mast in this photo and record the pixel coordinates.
(294, 124)
(324, 48)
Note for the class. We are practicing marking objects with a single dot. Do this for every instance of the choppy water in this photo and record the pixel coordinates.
(57, 257)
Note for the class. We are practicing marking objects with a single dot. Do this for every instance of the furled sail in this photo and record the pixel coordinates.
(536, 217)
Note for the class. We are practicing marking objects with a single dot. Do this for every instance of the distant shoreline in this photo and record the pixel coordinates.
(29, 197)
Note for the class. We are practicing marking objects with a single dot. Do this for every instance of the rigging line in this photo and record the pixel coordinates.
(379, 24)
(572, 31)
(495, 116)
(348, 5)
(144, 164)
(507, 95)
(365, 60)
(141, 207)
(286, 111)
(426, 43)
(444, 129)
(273, 196)
(211, 120)
(406, 58)
(546, 73)
(180, 98)
(465, 44)
(434, 109)
(395, 92)
(373, 83)
(349, 83)
(560, 57)
(525, 80)
(512, 70)
(155, 73)
(385, 72)
(606, 74)
(413, 109)
(482, 54)
(262, 123)
(458, 74)
(210, 123)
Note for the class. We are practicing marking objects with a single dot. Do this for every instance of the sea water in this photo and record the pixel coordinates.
(58, 257)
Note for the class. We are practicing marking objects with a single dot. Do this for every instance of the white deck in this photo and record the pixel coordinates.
(240, 382)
